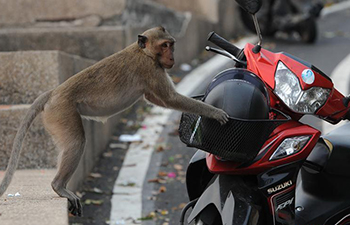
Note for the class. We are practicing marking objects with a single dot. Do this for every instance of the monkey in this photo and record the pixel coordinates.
(100, 91)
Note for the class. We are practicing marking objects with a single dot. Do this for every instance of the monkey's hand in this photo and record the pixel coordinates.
(221, 116)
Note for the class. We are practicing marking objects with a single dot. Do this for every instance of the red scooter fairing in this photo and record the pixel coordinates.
(264, 64)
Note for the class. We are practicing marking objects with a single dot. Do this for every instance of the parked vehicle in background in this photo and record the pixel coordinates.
(297, 18)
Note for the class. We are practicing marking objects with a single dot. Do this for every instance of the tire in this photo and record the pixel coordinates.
(308, 31)
(256, 218)
(264, 23)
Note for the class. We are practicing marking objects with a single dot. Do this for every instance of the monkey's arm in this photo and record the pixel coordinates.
(163, 89)
(152, 99)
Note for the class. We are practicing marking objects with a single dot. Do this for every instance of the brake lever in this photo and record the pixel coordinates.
(225, 53)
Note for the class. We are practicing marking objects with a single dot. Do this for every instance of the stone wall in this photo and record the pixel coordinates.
(28, 12)
(23, 77)
(38, 149)
(26, 75)
(205, 9)
(112, 34)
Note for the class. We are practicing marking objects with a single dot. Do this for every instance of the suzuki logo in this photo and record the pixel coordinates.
(279, 187)
(285, 204)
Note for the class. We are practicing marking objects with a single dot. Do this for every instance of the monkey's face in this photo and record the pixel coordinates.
(158, 44)
(166, 53)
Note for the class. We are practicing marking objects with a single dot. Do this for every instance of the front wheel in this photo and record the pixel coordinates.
(215, 219)
(308, 31)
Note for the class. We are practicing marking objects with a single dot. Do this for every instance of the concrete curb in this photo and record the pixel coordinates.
(36, 204)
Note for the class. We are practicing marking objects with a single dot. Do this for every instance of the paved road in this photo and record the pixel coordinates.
(168, 197)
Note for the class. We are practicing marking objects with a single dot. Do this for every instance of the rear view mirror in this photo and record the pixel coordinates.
(251, 6)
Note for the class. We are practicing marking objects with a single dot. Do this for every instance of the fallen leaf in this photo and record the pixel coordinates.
(178, 156)
(97, 190)
(150, 216)
(94, 202)
(107, 154)
(182, 205)
(94, 190)
(118, 145)
(162, 173)
(178, 167)
(164, 212)
(157, 180)
(95, 175)
(171, 159)
(79, 194)
(162, 189)
(160, 148)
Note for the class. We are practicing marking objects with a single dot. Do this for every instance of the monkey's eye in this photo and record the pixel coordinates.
(165, 45)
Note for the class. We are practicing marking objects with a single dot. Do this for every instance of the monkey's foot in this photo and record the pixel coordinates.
(75, 207)
(74, 204)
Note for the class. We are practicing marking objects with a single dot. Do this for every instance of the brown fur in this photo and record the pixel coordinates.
(100, 91)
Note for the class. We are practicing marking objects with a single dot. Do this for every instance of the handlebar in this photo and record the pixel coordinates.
(224, 44)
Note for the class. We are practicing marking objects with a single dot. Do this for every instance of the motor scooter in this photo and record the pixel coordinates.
(296, 18)
(268, 167)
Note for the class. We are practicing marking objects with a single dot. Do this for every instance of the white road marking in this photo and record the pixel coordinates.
(127, 200)
(335, 8)
(341, 80)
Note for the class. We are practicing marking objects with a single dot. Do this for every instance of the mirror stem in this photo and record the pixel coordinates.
(257, 28)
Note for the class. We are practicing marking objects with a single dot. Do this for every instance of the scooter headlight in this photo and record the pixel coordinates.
(288, 89)
(290, 146)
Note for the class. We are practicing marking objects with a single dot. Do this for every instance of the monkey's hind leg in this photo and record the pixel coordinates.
(67, 131)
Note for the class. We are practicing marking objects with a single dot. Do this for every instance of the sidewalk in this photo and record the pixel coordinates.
(37, 203)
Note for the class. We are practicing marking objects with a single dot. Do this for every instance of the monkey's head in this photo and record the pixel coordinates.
(158, 44)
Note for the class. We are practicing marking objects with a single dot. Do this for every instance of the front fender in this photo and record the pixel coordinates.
(197, 175)
(235, 200)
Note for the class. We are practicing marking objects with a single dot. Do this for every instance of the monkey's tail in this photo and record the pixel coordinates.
(34, 110)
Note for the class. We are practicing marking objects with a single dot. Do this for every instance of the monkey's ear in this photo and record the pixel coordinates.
(142, 39)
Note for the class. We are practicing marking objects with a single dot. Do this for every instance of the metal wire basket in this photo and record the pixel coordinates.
(238, 140)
